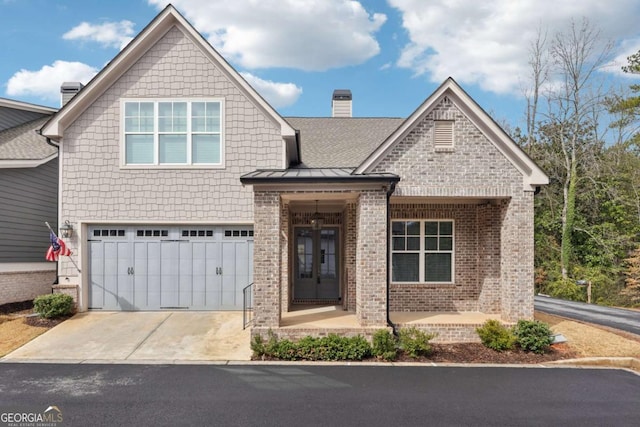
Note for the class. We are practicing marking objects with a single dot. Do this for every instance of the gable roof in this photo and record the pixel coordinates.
(533, 176)
(152, 33)
(19, 105)
(21, 146)
(340, 142)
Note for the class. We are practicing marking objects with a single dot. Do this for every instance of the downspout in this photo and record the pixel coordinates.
(55, 282)
(390, 191)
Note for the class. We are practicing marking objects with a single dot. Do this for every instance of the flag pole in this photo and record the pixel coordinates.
(70, 259)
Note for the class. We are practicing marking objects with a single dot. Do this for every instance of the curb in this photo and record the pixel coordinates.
(603, 362)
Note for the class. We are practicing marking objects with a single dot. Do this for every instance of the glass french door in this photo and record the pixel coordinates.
(316, 266)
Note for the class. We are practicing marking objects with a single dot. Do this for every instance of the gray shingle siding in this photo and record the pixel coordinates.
(10, 117)
(28, 198)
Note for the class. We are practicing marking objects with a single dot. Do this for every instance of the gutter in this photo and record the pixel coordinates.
(390, 191)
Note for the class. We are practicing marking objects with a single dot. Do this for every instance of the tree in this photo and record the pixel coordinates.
(577, 54)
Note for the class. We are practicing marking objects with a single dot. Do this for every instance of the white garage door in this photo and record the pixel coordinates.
(169, 267)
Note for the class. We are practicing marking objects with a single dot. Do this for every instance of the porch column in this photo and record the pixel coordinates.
(266, 259)
(517, 257)
(371, 258)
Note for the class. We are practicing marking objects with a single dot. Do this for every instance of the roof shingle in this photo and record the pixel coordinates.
(23, 143)
(340, 142)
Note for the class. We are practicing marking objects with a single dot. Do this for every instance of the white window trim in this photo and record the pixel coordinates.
(157, 164)
(423, 251)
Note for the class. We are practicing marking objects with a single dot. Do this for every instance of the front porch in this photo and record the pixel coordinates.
(444, 265)
(323, 320)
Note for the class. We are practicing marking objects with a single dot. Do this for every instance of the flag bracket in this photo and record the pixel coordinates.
(70, 259)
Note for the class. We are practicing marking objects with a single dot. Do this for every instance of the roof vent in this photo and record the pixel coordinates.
(341, 103)
(68, 90)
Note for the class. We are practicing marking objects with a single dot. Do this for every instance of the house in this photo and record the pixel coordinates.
(184, 186)
(28, 198)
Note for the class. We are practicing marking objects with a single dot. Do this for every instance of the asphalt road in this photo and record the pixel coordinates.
(626, 320)
(302, 395)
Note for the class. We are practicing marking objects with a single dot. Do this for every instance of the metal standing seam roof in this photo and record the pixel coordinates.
(300, 175)
(22, 142)
(340, 142)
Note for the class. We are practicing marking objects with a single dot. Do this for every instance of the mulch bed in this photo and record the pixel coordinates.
(14, 307)
(25, 308)
(477, 353)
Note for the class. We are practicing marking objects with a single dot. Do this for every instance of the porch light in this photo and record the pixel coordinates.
(66, 231)
(316, 219)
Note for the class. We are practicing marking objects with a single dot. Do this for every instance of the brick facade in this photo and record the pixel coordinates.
(25, 285)
(474, 185)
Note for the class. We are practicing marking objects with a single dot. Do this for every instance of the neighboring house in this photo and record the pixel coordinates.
(28, 198)
(184, 186)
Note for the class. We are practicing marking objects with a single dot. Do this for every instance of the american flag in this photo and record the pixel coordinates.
(57, 248)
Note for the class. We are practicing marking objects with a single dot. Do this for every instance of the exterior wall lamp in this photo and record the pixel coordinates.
(66, 231)
(316, 219)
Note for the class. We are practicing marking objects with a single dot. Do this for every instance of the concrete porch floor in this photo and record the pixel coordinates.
(334, 316)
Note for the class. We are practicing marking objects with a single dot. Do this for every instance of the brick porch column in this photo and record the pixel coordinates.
(371, 258)
(517, 274)
(266, 259)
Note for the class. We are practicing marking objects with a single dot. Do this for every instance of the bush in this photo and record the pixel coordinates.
(414, 342)
(384, 345)
(496, 336)
(51, 306)
(331, 347)
(532, 335)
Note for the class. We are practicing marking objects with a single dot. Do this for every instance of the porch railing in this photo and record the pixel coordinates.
(247, 305)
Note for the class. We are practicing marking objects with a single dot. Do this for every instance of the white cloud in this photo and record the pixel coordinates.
(312, 35)
(108, 34)
(45, 82)
(277, 94)
(487, 43)
(626, 49)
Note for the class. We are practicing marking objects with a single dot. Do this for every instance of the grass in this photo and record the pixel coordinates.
(15, 333)
(591, 341)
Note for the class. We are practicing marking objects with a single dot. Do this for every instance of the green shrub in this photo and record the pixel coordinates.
(384, 345)
(51, 306)
(496, 336)
(532, 335)
(331, 347)
(414, 342)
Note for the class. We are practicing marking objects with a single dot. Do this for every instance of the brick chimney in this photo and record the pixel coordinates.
(341, 103)
(68, 90)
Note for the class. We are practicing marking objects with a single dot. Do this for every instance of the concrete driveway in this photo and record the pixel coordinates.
(121, 337)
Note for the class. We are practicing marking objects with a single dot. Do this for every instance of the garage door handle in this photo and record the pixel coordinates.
(218, 271)
(130, 271)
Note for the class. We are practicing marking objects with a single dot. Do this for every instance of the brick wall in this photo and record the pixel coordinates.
(496, 276)
(267, 260)
(25, 286)
(95, 188)
(371, 258)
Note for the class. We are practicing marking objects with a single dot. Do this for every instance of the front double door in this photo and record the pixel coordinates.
(316, 269)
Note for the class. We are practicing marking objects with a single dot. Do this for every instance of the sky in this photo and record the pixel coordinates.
(392, 54)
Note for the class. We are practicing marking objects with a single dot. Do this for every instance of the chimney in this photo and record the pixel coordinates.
(341, 103)
(68, 90)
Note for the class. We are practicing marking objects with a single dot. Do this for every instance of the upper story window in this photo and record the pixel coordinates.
(173, 132)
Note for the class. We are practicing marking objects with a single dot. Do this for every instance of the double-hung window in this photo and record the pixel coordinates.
(422, 251)
(173, 132)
